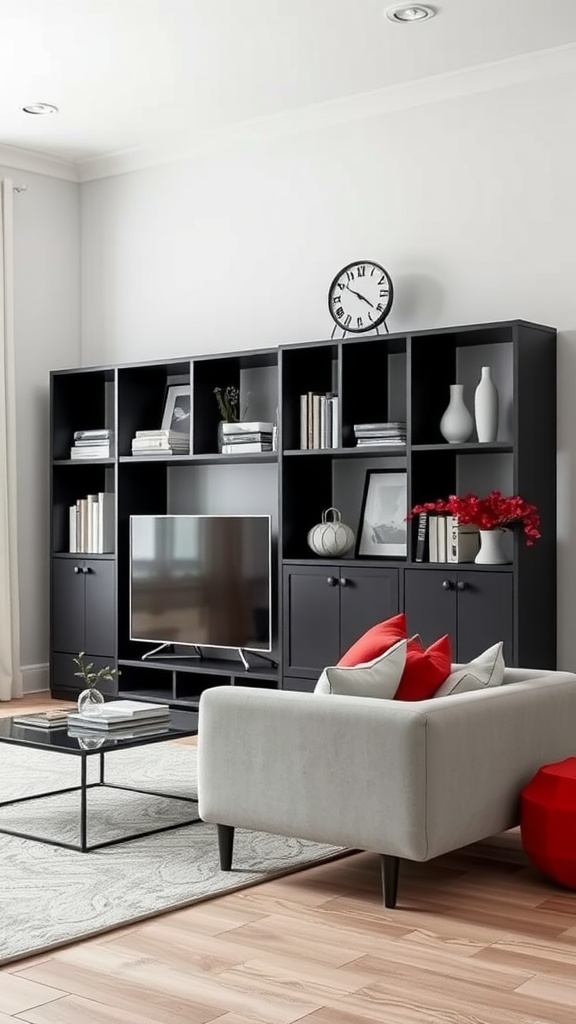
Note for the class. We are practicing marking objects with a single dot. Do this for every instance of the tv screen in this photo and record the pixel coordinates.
(201, 580)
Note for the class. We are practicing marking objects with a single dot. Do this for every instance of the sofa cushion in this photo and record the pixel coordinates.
(425, 669)
(376, 678)
(484, 671)
(375, 641)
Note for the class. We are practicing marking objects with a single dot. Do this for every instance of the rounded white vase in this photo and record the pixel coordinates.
(486, 407)
(456, 424)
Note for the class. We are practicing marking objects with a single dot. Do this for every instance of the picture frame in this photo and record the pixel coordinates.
(383, 529)
(177, 409)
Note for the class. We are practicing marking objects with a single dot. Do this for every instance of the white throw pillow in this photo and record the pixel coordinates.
(486, 670)
(377, 678)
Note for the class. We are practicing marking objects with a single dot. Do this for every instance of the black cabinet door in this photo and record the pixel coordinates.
(485, 614)
(311, 619)
(430, 603)
(367, 596)
(68, 610)
(100, 631)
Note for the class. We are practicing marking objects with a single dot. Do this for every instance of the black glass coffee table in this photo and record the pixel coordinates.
(59, 741)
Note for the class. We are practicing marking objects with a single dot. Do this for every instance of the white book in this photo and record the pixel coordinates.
(72, 514)
(250, 426)
(243, 449)
(114, 710)
(304, 421)
(83, 524)
(441, 527)
(335, 403)
(432, 538)
(91, 522)
(316, 421)
(322, 430)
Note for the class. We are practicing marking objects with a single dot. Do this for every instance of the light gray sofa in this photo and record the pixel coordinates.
(405, 780)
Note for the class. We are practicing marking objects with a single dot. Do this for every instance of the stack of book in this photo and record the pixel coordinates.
(92, 522)
(128, 719)
(390, 433)
(160, 442)
(57, 718)
(241, 438)
(318, 420)
(91, 444)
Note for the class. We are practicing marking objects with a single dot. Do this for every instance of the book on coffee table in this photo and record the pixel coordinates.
(57, 719)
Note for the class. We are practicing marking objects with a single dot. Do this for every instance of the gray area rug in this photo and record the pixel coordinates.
(50, 896)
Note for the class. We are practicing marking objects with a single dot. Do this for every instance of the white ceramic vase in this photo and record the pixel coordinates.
(491, 551)
(456, 424)
(486, 407)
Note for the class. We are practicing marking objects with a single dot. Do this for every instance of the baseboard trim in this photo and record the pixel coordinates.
(35, 678)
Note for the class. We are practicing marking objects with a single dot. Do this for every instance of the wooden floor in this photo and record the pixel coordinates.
(478, 937)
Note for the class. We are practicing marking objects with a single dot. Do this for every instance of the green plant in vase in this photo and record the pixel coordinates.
(228, 402)
(91, 698)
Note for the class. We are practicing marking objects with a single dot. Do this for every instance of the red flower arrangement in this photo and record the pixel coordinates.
(491, 513)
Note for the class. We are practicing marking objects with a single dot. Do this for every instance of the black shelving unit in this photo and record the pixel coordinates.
(323, 604)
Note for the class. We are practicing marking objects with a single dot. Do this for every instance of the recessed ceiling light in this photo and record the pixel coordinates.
(414, 12)
(40, 108)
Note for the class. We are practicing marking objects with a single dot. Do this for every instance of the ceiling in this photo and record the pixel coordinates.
(131, 75)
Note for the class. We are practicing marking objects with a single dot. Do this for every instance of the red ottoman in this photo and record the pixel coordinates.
(548, 821)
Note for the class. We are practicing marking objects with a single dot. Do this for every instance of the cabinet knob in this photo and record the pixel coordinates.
(331, 581)
(87, 570)
(77, 568)
(461, 585)
(344, 582)
(447, 584)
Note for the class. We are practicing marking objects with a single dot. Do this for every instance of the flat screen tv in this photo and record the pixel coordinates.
(201, 580)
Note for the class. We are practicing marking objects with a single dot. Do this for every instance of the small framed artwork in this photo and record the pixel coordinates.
(383, 530)
(176, 416)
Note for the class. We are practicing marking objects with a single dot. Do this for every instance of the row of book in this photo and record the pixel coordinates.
(160, 442)
(441, 538)
(247, 436)
(319, 420)
(92, 444)
(391, 432)
(92, 522)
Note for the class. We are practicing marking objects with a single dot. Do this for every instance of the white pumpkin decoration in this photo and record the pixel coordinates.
(331, 538)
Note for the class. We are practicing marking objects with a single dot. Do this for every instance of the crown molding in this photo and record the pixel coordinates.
(435, 89)
(38, 163)
(541, 64)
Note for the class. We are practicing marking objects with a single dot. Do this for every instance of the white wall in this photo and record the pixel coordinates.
(470, 203)
(47, 336)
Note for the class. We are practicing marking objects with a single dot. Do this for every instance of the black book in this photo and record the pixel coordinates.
(421, 537)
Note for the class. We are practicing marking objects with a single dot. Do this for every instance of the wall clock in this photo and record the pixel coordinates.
(360, 297)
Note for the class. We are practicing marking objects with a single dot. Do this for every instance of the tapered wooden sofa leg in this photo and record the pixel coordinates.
(389, 867)
(225, 846)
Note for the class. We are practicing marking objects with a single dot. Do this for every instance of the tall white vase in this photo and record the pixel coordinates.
(456, 424)
(491, 551)
(486, 407)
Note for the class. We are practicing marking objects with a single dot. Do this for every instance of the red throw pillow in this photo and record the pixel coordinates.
(376, 641)
(425, 670)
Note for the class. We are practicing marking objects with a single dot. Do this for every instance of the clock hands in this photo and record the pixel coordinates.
(363, 297)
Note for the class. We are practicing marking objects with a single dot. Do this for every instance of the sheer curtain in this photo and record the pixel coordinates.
(10, 670)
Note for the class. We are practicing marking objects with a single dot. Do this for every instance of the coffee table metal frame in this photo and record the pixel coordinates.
(83, 846)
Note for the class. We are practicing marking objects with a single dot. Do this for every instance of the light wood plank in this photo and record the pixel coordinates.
(17, 993)
(75, 1010)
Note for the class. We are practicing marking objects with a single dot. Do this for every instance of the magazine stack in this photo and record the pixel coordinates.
(92, 444)
(243, 437)
(160, 442)
(389, 434)
(126, 719)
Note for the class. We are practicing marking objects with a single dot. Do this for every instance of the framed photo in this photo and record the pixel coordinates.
(176, 414)
(383, 528)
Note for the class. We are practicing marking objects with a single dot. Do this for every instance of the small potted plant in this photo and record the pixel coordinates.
(228, 401)
(492, 515)
(91, 698)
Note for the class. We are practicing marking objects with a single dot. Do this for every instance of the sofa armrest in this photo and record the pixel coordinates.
(321, 767)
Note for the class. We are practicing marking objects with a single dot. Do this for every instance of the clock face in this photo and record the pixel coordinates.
(360, 296)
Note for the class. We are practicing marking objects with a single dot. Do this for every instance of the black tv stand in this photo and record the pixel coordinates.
(156, 653)
(242, 655)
